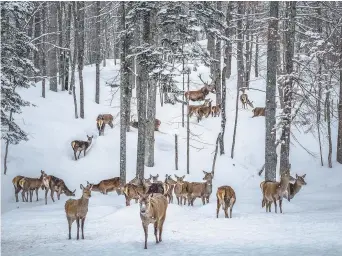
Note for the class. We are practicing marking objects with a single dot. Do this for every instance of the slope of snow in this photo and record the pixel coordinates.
(311, 223)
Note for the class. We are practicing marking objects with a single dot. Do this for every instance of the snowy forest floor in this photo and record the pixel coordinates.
(310, 225)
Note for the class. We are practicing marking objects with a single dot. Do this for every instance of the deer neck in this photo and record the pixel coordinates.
(84, 201)
(296, 188)
(284, 182)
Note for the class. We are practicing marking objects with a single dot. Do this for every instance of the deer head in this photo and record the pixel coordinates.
(300, 179)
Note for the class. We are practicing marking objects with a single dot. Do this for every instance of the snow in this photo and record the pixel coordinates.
(310, 225)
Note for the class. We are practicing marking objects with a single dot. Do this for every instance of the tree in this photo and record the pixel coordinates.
(43, 57)
(98, 50)
(52, 58)
(74, 59)
(339, 136)
(270, 109)
(15, 46)
(80, 54)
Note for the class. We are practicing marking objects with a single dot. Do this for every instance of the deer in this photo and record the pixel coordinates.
(100, 124)
(244, 100)
(156, 124)
(135, 124)
(107, 119)
(181, 189)
(105, 186)
(30, 184)
(204, 111)
(201, 93)
(79, 145)
(216, 110)
(193, 109)
(226, 198)
(56, 184)
(172, 183)
(17, 187)
(153, 210)
(258, 112)
(274, 191)
(131, 189)
(77, 209)
(293, 189)
(202, 190)
(166, 187)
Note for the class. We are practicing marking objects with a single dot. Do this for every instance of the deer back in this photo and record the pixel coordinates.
(16, 180)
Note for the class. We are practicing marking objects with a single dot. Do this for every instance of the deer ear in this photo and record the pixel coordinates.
(157, 176)
(205, 172)
(304, 175)
(88, 183)
(296, 176)
(81, 186)
(183, 176)
(176, 176)
(74, 191)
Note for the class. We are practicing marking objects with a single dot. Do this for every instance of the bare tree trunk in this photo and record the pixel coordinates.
(228, 50)
(73, 67)
(241, 73)
(43, 56)
(6, 149)
(183, 83)
(80, 41)
(53, 39)
(67, 45)
(105, 50)
(98, 50)
(37, 33)
(270, 120)
(286, 119)
(328, 88)
(188, 132)
(339, 136)
(256, 61)
(223, 112)
(218, 63)
(248, 52)
(215, 155)
(176, 151)
(60, 52)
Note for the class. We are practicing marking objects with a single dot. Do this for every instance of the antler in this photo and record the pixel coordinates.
(200, 77)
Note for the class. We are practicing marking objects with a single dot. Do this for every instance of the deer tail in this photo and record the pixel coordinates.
(220, 197)
(125, 191)
(73, 144)
(22, 182)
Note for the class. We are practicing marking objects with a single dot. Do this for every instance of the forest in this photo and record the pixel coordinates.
(118, 95)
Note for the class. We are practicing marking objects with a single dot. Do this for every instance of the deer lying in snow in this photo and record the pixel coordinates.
(17, 187)
(226, 198)
(30, 184)
(274, 191)
(216, 110)
(193, 109)
(244, 100)
(201, 189)
(293, 189)
(77, 209)
(153, 210)
(56, 184)
(172, 183)
(105, 186)
(79, 145)
(181, 189)
(258, 112)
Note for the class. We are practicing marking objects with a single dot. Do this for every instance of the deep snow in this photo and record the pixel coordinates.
(310, 225)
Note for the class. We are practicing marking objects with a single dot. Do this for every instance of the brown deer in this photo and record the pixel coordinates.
(100, 124)
(30, 184)
(56, 184)
(193, 109)
(79, 145)
(293, 189)
(105, 186)
(244, 100)
(226, 198)
(172, 183)
(258, 112)
(181, 190)
(204, 111)
(77, 209)
(153, 210)
(216, 110)
(107, 119)
(274, 191)
(17, 187)
(166, 187)
(131, 190)
(135, 124)
(201, 190)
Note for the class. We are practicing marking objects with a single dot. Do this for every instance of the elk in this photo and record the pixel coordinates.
(77, 209)
(156, 188)
(274, 191)
(30, 184)
(293, 189)
(193, 109)
(201, 93)
(131, 190)
(17, 187)
(105, 186)
(153, 210)
(226, 198)
(216, 110)
(201, 189)
(258, 112)
(172, 183)
(244, 100)
(56, 184)
(165, 186)
(181, 189)
(79, 145)
(204, 111)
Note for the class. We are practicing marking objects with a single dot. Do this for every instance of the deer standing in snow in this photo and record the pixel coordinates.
(79, 146)
(226, 198)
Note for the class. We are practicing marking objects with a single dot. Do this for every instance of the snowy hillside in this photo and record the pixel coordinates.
(310, 225)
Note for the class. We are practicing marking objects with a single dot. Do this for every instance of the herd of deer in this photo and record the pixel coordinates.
(154, 195)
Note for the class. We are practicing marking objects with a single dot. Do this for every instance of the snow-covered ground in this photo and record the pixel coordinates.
(310, 225)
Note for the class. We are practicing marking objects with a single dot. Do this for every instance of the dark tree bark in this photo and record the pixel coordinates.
(256, 60)
(218, 63)
(241, 73)
(80, 54)
(339, 136)
(6, 148)
(188, 131)
(288, 87)
(223, 110)
(68, 11)
(37, 33)
(60, 51)
(228, 32)
(43, 58)
(328, 114)
(270, 111)
(53, 39)
(98, 50)
(73, 67)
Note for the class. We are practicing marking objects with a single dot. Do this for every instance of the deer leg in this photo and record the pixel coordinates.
(203, 200)
(79, 154)
(51, 194)
(31, 195)
(111, 124)
(156, 231)
(82, 227)
(84, 152)
(161, 224)
(17, 190)
(78, 227)
(226, 210)
(218, 205)
(280, 205)
(75, 155)
(275, 204)
(145, 227)
(46, 192)
(70, 221)
(37, 193)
